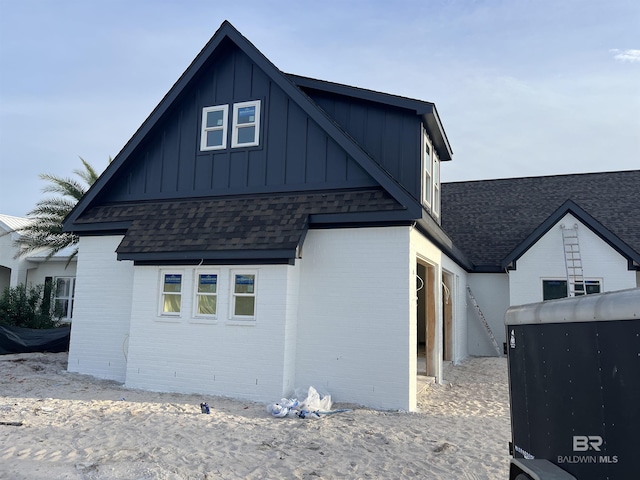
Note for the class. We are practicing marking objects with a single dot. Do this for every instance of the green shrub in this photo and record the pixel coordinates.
(28, 307)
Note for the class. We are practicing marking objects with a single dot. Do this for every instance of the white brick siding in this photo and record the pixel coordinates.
(355, 330)
(243, 359)
(102, 310)
(491, 291)
(343, 319)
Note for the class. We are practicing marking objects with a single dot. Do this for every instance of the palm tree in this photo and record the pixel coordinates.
(44, 232)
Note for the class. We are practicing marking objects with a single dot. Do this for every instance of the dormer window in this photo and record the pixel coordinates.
(431, 176)
(428, 176)
(245, 126)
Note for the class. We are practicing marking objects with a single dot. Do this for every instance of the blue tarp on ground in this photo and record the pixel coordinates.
(27, 340)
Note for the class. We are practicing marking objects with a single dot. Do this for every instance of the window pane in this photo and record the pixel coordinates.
(215, 118)
(62, 287)
(207, 305)
(246, 114)
(214, 138)
(172, 283)
(171, 304)
(593, 287)
(246, 134)
(552, 289)
(62, 308)
(245, 305)
(207, 283)
(244, 283)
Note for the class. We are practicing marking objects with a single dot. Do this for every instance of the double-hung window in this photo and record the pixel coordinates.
(63, 297)
(435, 206)
(171, 294)
(246, 124)
(427, 182)
(214, 127)
(243, 295)
(206, 294)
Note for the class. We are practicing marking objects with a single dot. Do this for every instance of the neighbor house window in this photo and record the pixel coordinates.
(206, 294)
(214, 127)
(63, 297)
(246, 124)
(243, 295)
(171, 293)
(553, 289)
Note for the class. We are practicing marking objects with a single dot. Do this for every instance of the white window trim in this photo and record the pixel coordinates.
(242, 319)
(207, 318)
(170, 315)
(236, 127)
(225, 121)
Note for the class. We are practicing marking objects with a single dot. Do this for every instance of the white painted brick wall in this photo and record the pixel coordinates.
(491, 291)
(251, 360)
(354, 316)
(460, 318)
(545, 260)
(102, 310)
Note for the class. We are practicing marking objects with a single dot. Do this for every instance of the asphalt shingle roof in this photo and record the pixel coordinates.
(488, 219)
(229, 224)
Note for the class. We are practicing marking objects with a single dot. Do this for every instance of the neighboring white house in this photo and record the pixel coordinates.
(36, 268)
(263, 231)
(530, 239)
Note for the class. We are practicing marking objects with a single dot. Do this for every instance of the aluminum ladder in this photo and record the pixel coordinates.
(573, 261)
(484, 321)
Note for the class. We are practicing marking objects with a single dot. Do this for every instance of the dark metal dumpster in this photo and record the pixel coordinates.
(574, 384)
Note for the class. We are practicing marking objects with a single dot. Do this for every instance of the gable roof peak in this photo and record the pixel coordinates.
(296, 94)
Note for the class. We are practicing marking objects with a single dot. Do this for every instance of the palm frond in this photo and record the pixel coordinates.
(44, 232)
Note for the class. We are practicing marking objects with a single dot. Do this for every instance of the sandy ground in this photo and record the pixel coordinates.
(60, 425)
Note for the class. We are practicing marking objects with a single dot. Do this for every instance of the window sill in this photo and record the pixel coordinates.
(204, 320)
(169, 318)
(240, 321)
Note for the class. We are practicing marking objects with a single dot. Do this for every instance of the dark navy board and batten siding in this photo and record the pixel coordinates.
(391, 135)
(294, 152)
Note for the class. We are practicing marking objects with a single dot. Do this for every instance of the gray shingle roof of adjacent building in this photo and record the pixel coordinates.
(490, 219)
(243, 227)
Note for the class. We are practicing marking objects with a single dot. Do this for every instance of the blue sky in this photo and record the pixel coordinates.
(522, 87)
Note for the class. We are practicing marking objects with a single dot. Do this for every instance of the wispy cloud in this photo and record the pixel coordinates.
(626, 55)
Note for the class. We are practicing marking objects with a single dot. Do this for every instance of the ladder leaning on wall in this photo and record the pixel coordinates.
(484, 321)
(573, 261)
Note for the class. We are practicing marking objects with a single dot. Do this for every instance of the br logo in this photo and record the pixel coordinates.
(583, 443)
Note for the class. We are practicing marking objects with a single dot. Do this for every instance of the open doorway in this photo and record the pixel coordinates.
(426, 317)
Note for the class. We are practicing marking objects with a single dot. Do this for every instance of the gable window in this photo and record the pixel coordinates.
(246, 124)
(214, 127)
(171, 294)
(554, 289)
(243, 295)
(206, 294)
